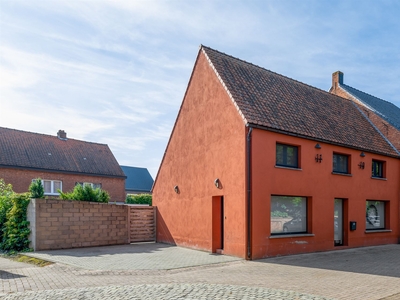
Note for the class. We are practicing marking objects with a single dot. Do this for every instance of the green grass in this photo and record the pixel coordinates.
(30, 260)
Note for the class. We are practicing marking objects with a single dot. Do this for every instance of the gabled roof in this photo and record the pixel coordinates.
(386, 110)
(27, 150)
(278, 103)
(138, 179)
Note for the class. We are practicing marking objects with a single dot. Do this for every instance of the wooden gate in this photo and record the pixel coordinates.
(142, 224)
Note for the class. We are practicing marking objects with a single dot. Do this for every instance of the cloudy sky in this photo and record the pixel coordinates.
(115, 71)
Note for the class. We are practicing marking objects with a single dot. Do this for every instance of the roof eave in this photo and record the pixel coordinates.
(62, 171)
(257, 126)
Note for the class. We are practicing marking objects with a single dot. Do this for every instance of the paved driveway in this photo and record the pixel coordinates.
(363, 273)
(143, 256)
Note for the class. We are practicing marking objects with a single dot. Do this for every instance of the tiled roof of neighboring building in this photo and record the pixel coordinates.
(278, 103)
(386, 110)
(138, 179)
(29, 150)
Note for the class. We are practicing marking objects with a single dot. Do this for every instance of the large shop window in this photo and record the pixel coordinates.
(51, 187)
(288, 215)
(375, 215)
(340, 163)
(287, 156)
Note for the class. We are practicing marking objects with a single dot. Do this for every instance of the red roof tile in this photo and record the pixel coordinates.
(39, 151)
(279, 103)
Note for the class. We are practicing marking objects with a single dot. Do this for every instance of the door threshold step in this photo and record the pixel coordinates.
(220, 251)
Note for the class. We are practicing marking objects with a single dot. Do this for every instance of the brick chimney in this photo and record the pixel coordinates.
(337, 79)
(62, 135)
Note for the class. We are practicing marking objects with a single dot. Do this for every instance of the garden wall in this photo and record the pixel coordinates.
(63, 224)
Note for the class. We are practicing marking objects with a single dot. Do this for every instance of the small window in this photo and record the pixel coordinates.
(93, 185)
(375, 215)
(288, 215)
(51, 187)
(377, 169)
(287, 156)
(340, 163)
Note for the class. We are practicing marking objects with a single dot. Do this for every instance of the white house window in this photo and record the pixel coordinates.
(288, 215)
(93, 185)
(51, 187)
(375, 215)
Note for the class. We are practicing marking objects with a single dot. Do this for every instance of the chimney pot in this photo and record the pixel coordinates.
(62, 135)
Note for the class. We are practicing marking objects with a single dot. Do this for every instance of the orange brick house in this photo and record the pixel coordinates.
(59, 161)
(261, 165)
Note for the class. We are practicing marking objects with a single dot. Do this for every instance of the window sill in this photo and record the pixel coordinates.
(343, 174)
(289, 168)
(378, 231)
(52, 194)
(296, 235)
(379, 178)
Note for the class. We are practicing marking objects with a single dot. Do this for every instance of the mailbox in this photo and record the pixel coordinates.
(353, 225)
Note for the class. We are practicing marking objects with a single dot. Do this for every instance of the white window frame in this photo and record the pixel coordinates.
(53, 192)
(99, 185)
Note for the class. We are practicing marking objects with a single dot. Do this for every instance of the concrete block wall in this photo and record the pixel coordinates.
(63, 224)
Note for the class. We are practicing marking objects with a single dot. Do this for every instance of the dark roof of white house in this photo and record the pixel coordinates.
(278, 103)
(28, 150)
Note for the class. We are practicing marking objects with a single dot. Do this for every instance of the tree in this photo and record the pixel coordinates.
(36, 189)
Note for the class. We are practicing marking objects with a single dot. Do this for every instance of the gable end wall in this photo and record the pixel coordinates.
(208, 142)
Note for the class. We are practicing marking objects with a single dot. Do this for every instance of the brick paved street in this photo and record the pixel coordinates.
(364, 273)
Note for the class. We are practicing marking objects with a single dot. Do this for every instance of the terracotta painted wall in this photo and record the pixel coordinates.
(316, 181)
(21, 179)
(208, 142)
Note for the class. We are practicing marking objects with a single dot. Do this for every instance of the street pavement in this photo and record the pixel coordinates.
(129, 272)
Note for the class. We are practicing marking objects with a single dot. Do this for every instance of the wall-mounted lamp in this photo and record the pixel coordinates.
(217, 183)
(317, 146)
(362, 154)
(318, 158)
(176, 189)
(361, 165)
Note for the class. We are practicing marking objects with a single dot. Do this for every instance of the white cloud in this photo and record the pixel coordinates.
(115, 72)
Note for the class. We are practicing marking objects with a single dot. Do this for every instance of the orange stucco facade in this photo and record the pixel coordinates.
(316, 181)
(209, 142)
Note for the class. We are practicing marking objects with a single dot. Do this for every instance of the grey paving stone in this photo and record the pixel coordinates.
(6, 264)
(144, 256)
(368, 273)
(166, 291)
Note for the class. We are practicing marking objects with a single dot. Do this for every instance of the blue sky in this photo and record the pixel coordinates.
(115, 72)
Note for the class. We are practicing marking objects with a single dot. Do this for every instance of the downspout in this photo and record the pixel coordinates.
(249, 192)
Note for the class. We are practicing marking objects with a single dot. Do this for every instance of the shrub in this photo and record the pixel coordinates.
(5, 189)
(139, 199)
(36, 189)
(86, 193)
(6, 204)
(16, 228)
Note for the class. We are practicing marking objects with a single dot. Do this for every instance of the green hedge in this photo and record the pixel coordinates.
(139, 199)
(86, 193)
(6, 204)
(16, 227)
